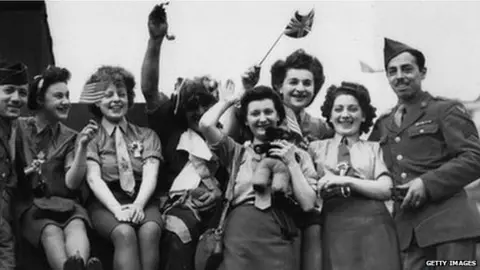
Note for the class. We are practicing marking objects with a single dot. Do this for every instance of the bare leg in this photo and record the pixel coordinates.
(125, 243)
(53, 242)
(76, 239)
(149, 239)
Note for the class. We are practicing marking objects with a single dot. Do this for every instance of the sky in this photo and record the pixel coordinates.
(224, 38)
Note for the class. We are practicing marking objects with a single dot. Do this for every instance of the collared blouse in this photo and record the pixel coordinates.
(366, 157)
(243, 189)
(49, 140)
(102, 150)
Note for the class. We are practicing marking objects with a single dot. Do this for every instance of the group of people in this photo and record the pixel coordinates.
(326, 202)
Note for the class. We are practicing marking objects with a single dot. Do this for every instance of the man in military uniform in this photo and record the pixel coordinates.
(432, 149)
(13, 96)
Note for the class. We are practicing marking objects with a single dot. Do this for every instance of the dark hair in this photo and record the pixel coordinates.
(117, 76)
(37, 89)
(360, 93)
(192, 94)
(419, 58)
(260, 93)
(299, 59)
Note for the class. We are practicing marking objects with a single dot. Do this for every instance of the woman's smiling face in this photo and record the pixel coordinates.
(347, 115)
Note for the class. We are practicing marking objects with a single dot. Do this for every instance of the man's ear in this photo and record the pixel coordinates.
(424, 72)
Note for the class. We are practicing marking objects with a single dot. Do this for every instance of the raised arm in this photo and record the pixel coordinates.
(76, 173)
(208, 122)
(231, 126)
(157, 27)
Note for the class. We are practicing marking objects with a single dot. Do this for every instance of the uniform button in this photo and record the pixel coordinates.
(403, 175)
(399, 157)
(397, 139)
(422, 131)
(3, 175)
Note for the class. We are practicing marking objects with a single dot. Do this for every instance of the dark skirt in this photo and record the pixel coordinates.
(172, 245)
(104, 221)
(253, 240)
(359, 233)
(32, 228)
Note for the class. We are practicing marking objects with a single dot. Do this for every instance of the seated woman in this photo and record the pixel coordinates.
(122, 167)
(358, 231)
(190, 178)
(56, 156)
(258, 231)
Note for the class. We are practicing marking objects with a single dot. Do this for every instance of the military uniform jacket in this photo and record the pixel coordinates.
(439, 143)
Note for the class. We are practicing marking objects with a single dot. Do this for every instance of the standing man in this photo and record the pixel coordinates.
(13, 96)
(432, 149)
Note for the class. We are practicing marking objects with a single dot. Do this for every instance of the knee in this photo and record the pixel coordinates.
(76, 225)
(150, 230)
(51, 231)
(124, 234)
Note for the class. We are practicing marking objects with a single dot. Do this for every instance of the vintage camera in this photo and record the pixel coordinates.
(272, 134)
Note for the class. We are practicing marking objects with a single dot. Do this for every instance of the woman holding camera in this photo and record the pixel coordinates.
(122, 167)
(358, 231)
(56, 156)
(258, 232)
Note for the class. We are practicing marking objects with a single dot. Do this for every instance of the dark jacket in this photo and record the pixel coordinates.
(439, 143)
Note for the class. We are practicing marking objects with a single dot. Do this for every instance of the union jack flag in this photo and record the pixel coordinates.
(92, 92)
(300, 25)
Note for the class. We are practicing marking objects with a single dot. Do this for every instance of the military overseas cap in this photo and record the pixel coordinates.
(16, 74)
(393, 48)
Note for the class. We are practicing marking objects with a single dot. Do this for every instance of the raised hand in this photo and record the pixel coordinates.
(157, 22)
(87, 133)
(251, 77)
(229, 93)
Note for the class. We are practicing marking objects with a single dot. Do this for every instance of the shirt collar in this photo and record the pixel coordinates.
(337, 138)
(40, 127)
(420, 101)
(110, 127)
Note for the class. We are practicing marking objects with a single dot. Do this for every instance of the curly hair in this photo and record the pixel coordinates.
(299, 59)
(37, 89)
(192, 94)
(360, 93)
(260, 93)
(119, 77)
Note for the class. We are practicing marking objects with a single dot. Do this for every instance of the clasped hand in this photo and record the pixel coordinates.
(130, 213)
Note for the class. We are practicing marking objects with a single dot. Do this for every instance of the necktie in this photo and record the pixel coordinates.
(343, 158)
(125, 171)
(11, 141)
(401, 110)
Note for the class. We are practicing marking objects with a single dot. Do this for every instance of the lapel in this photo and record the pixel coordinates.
(4, 141)
(390, 121)
(415, 111)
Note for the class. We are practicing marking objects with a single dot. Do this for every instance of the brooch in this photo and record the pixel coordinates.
(137, 148)
(36, 165)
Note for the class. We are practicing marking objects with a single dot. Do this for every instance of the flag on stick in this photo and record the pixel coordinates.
(298, 27)
(93, 92)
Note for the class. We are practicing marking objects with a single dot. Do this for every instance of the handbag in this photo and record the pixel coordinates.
(54, 208)
(209, 251)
